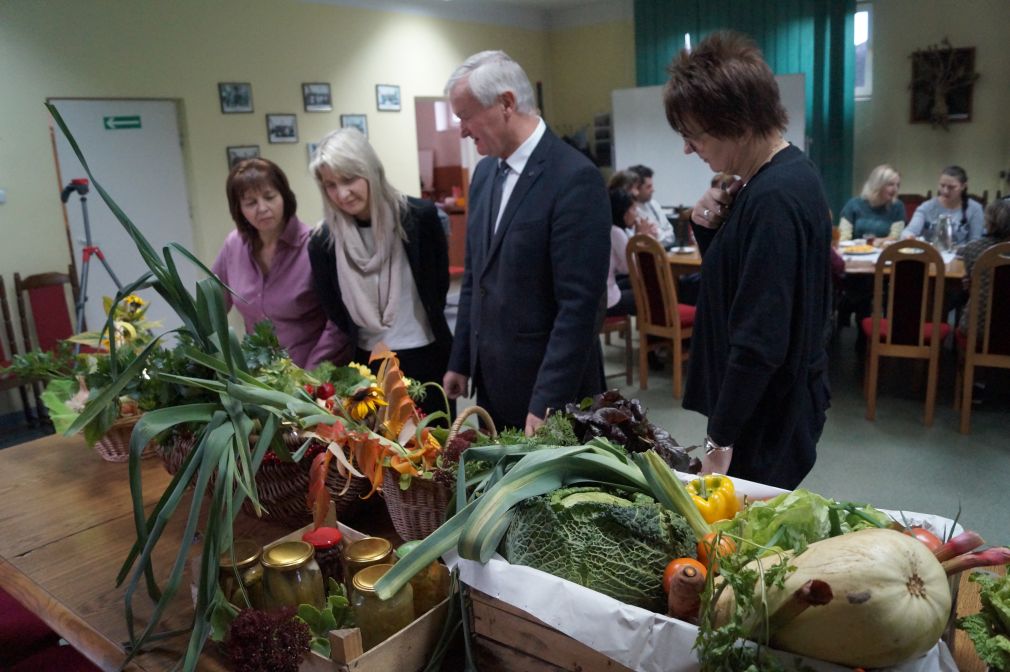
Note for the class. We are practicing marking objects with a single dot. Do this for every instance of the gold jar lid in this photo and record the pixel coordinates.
(288, 555)
(368, 549)
(247, 552)
(366, 579)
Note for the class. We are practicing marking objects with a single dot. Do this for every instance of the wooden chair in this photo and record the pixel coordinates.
(10, 382)
(46, 315)
(621, 325)
(913, 201)
(661, 318)
(990, 345)
(906, 320)
(982, 198)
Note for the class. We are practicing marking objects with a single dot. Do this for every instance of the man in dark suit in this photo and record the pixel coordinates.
(537, 253)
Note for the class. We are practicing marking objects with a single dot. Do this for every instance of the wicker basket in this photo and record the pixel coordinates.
(114, 446)
(420, 509)
(282, 487)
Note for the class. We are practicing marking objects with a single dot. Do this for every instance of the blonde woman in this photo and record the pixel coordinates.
(380, 261)
(876, 212)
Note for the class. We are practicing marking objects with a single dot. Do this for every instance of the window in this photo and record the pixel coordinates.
(863, 40)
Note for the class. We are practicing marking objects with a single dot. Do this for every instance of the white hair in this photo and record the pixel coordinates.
(489, 74)
(878, 179)
(347, 153)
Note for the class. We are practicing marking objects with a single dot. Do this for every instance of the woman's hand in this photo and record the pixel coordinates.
(646, 227)
(711, 209)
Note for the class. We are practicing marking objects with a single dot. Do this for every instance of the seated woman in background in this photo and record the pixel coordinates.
(380, 261)
(265, 261)
(876, 212)
(620, 300)
(625, 180)
(952, 199)
(997, 230)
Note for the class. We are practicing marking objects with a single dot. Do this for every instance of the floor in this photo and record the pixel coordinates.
(894, 462)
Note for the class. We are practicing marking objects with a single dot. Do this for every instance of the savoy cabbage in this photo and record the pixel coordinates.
(613, 542)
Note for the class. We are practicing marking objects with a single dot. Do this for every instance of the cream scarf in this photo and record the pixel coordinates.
(370, 280)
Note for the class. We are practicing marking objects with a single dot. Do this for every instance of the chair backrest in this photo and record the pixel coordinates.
(982, 198)
(909, 303)
(989, 302)
(913, 201)
(42, 302)
(8, 348)
(653, 285)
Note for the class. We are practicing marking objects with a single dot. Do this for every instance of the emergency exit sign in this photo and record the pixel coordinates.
(119, 123)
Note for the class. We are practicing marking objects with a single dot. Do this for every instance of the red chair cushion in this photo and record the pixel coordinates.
(51, 315)
(22, 633)
(55, 657)
(686, 315)
(614, 320)
(961, 338)
(867, 325)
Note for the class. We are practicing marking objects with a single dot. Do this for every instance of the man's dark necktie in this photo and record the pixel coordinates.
(496, 191)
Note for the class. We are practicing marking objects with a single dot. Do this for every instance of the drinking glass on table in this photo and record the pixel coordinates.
(871, 239)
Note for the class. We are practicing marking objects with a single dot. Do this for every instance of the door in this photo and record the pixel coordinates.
(134, 150)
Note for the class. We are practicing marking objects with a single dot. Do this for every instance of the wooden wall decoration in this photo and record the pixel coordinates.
(943, 80)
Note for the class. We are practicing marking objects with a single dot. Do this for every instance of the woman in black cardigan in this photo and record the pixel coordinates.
(380, 262)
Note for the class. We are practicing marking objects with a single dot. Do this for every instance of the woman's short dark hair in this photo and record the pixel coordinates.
(997, 219)
(624, 179)
(255, 175)
(725, 86)
(620, 203)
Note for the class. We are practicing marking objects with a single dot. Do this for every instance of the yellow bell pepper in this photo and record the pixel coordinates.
(714, 496)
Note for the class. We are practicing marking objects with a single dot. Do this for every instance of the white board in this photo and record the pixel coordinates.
(142, 170)
(643, 136)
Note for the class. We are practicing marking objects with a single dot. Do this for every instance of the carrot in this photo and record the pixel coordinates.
(687, 581)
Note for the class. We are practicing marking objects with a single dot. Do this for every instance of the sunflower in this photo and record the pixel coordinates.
(364, 401)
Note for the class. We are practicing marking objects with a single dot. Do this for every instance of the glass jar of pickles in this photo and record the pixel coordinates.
(363, 553)
(249, 570)
(430, 585)
(326, 541)
(291, 576)
(379, 619)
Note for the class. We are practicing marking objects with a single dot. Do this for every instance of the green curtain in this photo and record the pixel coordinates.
(813, 37)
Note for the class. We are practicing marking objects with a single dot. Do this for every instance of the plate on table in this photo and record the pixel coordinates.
(860, 249)
(683, 250)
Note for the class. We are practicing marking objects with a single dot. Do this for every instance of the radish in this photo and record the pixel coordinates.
(891, 600)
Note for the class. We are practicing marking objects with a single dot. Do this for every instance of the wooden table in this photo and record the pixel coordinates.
(684, 263)
(66, 526)
(859, 265)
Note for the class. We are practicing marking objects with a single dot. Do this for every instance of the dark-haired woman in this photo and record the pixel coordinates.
(620, 299)
(265, 261)
(758, 365)
(951, 200)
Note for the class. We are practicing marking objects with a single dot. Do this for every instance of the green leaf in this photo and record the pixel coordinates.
(55, 397)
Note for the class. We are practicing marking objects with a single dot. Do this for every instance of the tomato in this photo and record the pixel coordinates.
(925, 536)
(709, 553)
(674, 568)
(309, 390)
(325, 391)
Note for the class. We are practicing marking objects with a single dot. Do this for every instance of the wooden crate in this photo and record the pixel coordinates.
(510, 640)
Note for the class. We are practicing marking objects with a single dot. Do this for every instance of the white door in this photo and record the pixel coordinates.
(134, 150)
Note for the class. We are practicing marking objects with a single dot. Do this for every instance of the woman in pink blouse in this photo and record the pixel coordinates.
(265, 262)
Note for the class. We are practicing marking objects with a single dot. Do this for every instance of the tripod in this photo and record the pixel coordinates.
(80, 186)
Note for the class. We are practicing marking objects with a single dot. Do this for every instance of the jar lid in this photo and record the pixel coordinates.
(366, 579)
(403, 549)
(368, 549)
(288, 555)
(247, 552)
(323, 537)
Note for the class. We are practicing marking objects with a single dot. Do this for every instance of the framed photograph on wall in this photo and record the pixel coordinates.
(387, 97)
(282, 128)
(358, 121)
(316, 96)
(236, 97)
(242, 152)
